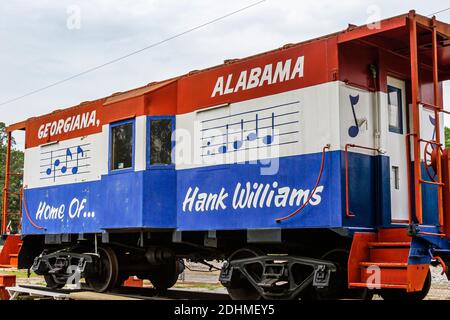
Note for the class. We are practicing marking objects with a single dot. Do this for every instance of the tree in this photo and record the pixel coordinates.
(447, 137)
(15, 182)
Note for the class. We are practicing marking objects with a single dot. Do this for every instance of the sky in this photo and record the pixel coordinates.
(44, 41)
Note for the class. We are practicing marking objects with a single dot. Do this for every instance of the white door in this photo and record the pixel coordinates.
(396, 109)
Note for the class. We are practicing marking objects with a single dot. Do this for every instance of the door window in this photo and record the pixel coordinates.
(395, 109)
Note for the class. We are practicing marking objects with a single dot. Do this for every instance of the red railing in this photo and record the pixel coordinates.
(322, 165)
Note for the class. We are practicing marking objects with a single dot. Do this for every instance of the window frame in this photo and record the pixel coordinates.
(148, 140)
(133, 142)
(396, 129)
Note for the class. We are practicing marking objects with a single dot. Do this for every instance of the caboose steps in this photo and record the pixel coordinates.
(382, 254)
(9, 255)
(380, 260)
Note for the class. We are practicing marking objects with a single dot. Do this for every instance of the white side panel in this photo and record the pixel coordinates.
(140, 143)
(291, 123)
(427, 129)
(69, 161)
(357, 116)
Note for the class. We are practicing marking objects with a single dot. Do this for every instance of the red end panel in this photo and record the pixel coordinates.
(416, 274)
(446, 190)
(221, 85)
(355, 59)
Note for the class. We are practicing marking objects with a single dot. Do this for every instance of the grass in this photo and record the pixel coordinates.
(18, 273)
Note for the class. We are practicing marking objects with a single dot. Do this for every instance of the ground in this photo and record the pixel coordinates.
(198, 278)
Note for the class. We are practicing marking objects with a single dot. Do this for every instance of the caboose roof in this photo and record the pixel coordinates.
(390, 34)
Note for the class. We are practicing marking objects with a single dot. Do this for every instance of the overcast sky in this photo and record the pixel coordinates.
(42, 42)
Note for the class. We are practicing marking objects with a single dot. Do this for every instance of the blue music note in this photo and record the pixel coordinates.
(79, 150)
(55, 164)
(269, 138)
(433, 122)
(254, 135)
(238, 143)
(223, 149)
(68, 154)
(49, 170)
(353, 131)
(208, 144)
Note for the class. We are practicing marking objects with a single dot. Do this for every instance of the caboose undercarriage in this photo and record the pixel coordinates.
(258, 264)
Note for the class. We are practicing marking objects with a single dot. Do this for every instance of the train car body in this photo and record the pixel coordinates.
(303, 150)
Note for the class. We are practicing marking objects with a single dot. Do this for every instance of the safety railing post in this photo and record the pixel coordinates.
(415, 114)
(6, 186)
(437, 123)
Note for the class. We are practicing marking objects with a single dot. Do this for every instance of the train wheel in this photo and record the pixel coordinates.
(166, 275)
(398, 294)
(51, 282)
(240, 288)
(338, 287)
(108, 272)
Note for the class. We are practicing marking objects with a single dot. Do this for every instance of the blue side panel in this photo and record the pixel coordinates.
(384, 191)
(230, 182)
(429, 200)
(160, 198)
(367, 188)
(116, 201)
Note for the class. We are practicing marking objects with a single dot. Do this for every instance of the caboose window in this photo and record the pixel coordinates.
(395, 109)
(160, 141)
(122, 146)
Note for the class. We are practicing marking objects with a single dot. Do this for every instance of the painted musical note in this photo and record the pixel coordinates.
(433, 122)
(49, 170)
(353, 131)
(254, 135)
(79, 150)
(68, 154)
(269, 138)
(237, 144)
(208, 144)
(53, 165)
(223, 149)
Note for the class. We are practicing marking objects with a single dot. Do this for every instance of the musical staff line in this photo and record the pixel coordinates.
(81, 166)
(276, 135)
(257, 147)
(249, 121)
(74, 160)
(245, 131)
(64, 149)
(253, 111)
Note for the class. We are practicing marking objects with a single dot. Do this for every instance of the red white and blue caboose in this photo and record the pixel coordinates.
(316, 170)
